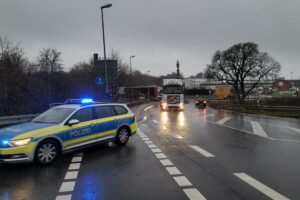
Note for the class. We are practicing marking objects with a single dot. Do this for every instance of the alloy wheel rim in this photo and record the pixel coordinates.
(123, 135)
(47, 152)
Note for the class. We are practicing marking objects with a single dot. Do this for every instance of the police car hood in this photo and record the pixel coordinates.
(15, 130)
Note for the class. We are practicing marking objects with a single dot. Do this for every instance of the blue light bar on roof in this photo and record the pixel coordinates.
(5, 142)
(87, 101)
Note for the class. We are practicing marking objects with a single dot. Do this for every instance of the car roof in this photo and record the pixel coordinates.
(77, 106)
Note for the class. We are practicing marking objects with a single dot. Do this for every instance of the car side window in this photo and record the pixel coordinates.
(103, 111)
(120, 110)
(83, 115)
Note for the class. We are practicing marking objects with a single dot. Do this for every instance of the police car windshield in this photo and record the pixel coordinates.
(54, 115)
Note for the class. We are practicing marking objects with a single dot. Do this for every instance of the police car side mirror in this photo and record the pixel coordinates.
(73, 122)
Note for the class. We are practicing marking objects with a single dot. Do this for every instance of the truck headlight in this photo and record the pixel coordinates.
(19, 143)
(181, 105)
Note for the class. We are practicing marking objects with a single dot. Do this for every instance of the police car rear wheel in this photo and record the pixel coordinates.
(122, 136)
(46, 152)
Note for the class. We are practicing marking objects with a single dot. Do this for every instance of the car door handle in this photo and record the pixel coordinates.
(93, 124)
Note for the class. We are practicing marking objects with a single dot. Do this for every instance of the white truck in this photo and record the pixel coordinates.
(172, 95)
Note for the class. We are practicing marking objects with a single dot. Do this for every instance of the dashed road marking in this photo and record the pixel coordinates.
(148, 142)
(178, 136)
(155, 121)
(182, 181)
(71, 175)
(64, 197)
(193, 194)
(258, 129)
(160, 155)
(70, 178)
(67, 186)
(295, 129)
(166, 162)
(76, 159)
(202, 151)
(173, 170)
(224, 120)
(145, 139)
(261, 187)
(152, 146)
(156, 150)
(74, 166)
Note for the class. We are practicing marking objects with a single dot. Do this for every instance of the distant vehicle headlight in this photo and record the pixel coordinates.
(19, 143)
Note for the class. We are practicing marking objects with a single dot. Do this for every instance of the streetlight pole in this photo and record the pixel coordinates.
(103, 34)
(131, 76)
(148, 86)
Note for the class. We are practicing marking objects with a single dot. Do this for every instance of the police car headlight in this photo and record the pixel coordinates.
(18, 143)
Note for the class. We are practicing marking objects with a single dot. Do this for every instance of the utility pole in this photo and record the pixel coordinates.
(178, 71)
(103, 34)
(148, 85)
(131, 74)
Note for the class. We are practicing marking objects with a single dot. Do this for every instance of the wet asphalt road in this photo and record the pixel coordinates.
(195, 154)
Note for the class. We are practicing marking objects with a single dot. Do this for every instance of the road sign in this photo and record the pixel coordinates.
(100, 80)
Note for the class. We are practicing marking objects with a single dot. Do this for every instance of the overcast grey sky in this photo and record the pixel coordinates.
(158, 32)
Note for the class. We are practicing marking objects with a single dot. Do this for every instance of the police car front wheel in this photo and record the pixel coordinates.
(47, 152)
(122, 136)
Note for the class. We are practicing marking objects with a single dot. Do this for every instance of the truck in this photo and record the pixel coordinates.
(172, 95)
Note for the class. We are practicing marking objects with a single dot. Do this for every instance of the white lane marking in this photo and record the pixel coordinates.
(145, 139)
(173, 170)
(76, 159)
(74, 166)
(166, 162)
(67, 186)
(160, 155)
(155, 121)
(64, 197)
(182, 181)
(152, 146)
(147, 108)
(261, 187)
(71, 175)
(295, 129)
(156, 150)
(148, 142)
(202, 151)
(224, 120)
(258, 130)
(178, 136)
(205, 116)
(193, 194)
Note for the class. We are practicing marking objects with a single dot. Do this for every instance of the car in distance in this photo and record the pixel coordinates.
(66, 127)
(200, 103)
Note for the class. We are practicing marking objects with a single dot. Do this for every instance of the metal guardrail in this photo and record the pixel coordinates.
(16, 119)
(228, 103)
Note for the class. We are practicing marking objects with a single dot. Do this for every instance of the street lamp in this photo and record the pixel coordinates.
(106, 78)
(131, 76)
(148, 85)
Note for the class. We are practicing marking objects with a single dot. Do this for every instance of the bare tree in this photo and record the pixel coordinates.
(50, 60)
(241, 63)
(12, 81)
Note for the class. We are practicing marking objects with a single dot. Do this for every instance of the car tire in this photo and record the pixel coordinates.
(47, 152)
(122, 136)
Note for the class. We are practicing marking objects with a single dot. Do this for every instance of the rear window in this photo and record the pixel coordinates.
(120, 110)
(103, 111)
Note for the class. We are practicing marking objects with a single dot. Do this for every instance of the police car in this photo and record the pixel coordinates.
(66, 127)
